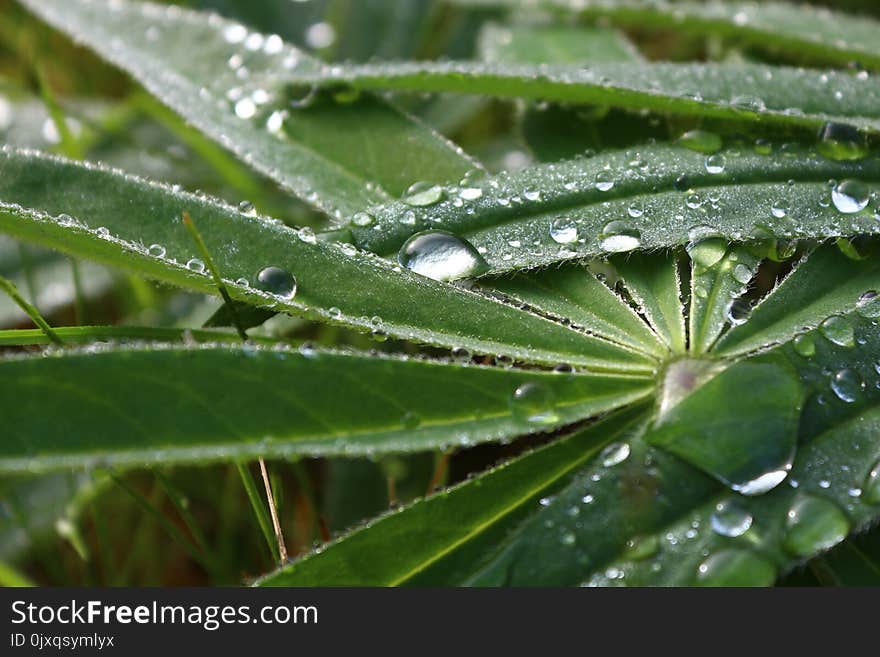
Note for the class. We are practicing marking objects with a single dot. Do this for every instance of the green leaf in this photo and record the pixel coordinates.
(539, 44)
(720, 275)
(651, 197)
(228, 402)
(795, 30)
(740, 426)
(573, 293)
(754, 93)
(826, 283)
(340, 156)
(449, 532)
(137, 225)
(653, 282)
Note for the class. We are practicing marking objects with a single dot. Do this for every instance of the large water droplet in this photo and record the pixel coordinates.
(196, 265)
(563, 230)
(736, 568)
(277, 281)
(847, 385)
(850, 196)
(814, 524)
(839, 141)
(534, 403)
(701, 141)
(362, 219)
(706, 253)
(441, 255)
(422, 194)
(604, 181)
(715, 164)
(614, 454)
(762, 484)
(839, 330)
(618, 237)
(730, 518)
(868, 305)
(805, 345)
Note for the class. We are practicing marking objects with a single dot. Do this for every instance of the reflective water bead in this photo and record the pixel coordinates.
(805, 345)
(604, 181)
(839, 141)
(533, 403)
(442, 256)
(715, 164)
(196, 265)
(707, 252)
(277, 281)
(839, 330)
(421, 194)
(563, 230)
(701, 141)
(362, 219)
(847, 385)
(618, 237)
(730, 519)
(850, 196)
(868, 305)
(614, 454)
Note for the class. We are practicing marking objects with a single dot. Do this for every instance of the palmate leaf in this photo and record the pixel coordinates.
(137, 225)
(337, 155)
(754, 93)
(795, 30)
(653, 197)
(638, 515)
(227, 402)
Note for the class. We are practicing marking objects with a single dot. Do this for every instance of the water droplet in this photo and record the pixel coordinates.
(763, 484)
(839, 330)
(604, 181)
(736, 568)
(534, 403)
(715, 164)
(636, 209)
(362, 219)
(470, 193)
(742, 273)
(839, 141)
(421, 194)
(642, 547)
(694, 201)
(805, 345)
(871, 487)
(461, 355)
(868, 305)
(532, 194)
(738, 312)
(245, 108)
(277, 281)
(441, 255)
(320, 35)
(779, 208)
(813, 524)
(847, 385)
(615, 453)
(196, 265)
(706, 253)
(157, 250)
(701, 141)
(563, 230)
(751, 103)
(850, 196)
(731, 519)
(246, 207)
(618, 237)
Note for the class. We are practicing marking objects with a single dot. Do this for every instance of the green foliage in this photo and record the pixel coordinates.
(624, 334)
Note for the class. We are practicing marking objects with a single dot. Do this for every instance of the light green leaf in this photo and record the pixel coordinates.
(754, 93)
(795, 30)
(826, 283)
(340, 156)
(652, 197)
(137, 225)
(229, 402)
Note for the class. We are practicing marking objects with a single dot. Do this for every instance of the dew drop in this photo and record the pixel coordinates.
(715, 164)
(246, 207)
(362, 219)
(779, 208)
(805, 345)
(604, 181)
(618, 237)
(701, 141)
(850, 196)
(813, 524)
(742, 273)
(738, 312)
(277, 281)
(839, 141)
(421, 194)
(196, 265)
(847, 385)
(157, 250)
(762, 484)
(441, 255)
(563, 230)
(470, 193)
(635, 210)
(868, 305)
(736, 568)
(614, 454)
(533, 403)
(731, 519)
(838, 330)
